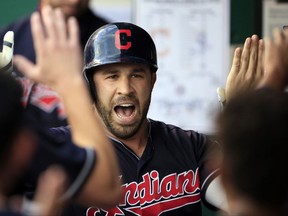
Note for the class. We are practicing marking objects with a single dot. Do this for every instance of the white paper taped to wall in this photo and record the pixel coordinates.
(192, 41)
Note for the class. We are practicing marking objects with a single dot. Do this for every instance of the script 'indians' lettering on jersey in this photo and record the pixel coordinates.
(42, 97)
(153, 197)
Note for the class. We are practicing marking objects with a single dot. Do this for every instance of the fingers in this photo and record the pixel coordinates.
(235, 68)
(60, 26)
(37, 32)
(279, 36)
(268, 43)
(56, 30)
(236, 60)
(234, 71)
(25, 66)
(246, 65)
(57, 48)
(73, 30)
(253, 59)
(245, 55)
(260, 63)
(250, 63)
(49, 17)
(48, 32)
(276, 61)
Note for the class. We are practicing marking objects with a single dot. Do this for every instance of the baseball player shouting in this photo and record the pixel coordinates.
(165, 170)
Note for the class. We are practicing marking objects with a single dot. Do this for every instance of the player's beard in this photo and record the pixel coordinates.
(122, 131)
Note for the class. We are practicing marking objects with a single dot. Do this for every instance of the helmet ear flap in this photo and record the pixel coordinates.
(88, 75)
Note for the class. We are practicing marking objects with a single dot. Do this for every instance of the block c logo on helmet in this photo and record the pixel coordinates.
(122, 33)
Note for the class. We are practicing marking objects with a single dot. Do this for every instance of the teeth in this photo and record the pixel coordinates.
(126, 105)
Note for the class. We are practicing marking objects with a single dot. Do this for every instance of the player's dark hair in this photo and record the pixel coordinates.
(254, 136)
(11, 112)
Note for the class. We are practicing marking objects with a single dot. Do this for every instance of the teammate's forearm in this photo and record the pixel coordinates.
(88, 131)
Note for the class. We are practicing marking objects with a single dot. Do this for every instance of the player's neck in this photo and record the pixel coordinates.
(137, 143)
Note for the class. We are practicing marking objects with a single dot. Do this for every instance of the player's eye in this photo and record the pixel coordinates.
(114, 76)
(136, 75)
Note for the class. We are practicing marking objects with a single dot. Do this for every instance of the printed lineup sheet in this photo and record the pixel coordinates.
(192, 41)
(275, 15)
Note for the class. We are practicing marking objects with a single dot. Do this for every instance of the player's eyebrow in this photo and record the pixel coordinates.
(134, 69)
(110, 71)
(139, 70)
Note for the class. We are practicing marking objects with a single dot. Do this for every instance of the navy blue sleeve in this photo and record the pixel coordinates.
(55, 147)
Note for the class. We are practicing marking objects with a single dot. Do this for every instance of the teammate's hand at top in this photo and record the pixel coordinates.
(247, 67)
(7, 52)
(276, 61)
(58, 52)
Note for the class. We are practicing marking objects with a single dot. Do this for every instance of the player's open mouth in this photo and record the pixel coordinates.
(125, 112)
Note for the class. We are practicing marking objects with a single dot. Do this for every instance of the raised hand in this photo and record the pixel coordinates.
(57, 49)
(7, 52)
(276, 61)
(59, 65)
(247, 67)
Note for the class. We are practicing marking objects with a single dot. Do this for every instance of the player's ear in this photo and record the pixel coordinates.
(153, 78)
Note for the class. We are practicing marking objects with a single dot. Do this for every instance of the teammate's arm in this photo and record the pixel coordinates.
(59, 65)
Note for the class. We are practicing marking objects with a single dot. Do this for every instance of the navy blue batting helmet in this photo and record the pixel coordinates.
(116, 43)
